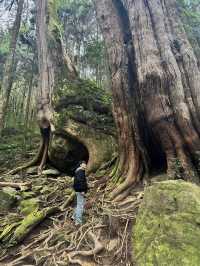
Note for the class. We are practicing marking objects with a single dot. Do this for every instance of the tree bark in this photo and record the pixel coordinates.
(45, 81)
(10, 66)
(53, 64)
(124, 83)
(155, 84)
(28, 102)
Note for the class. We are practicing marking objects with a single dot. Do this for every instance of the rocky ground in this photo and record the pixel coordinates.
(36, 226)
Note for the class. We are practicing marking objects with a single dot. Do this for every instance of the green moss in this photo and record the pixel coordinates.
(85, 89)
(28, 206)
(29, 222)
(167, 230)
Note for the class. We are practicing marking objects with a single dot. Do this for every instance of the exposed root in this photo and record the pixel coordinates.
(131, 179)
(98, 247)
(123, 195)
(15, 185)
(61, 243)
(130, 200)
(33, 162)
(68, 201)
(44, 155)
(126, 185)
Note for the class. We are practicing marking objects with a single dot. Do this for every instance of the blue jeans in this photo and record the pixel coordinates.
(78, 213)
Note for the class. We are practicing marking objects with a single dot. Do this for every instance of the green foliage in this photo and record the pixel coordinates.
(13, 146)
(5, 43)
(94, 51)
(86, 89)
(177, 169)
(190, 11)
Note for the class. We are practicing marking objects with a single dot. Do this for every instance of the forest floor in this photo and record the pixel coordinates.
(103, 239)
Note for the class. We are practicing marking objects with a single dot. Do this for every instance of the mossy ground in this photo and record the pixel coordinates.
(17, 146)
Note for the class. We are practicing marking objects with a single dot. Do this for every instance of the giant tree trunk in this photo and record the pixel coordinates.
(155, 84)
(10, 66)
(124, 83)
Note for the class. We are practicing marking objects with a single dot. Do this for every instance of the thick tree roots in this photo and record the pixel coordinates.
(104, 238)
(98, 247)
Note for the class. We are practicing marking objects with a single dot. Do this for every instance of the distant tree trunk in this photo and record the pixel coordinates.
(10, 66)
(155, 84)
(28, 102)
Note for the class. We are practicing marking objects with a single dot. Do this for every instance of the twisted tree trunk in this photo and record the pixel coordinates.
(10, 66)
(155, 84)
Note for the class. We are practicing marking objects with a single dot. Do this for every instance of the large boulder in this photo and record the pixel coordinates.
(167, 230)
(85, 126)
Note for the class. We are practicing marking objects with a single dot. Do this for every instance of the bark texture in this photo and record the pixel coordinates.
(10, 66)
(46, 80)
(154, 72)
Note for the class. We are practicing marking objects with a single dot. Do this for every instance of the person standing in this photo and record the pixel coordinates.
(80, 186)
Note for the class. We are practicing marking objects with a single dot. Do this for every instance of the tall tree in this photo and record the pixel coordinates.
(155, 85)
(45, 81)
(10, 66)
(53, 64)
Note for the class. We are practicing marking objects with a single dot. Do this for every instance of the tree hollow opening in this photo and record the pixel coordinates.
(66, 152)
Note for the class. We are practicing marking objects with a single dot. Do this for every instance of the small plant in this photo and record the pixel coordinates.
(177, 169)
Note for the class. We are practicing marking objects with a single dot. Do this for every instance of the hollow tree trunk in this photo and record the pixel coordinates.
(10, 66)
(148, 36)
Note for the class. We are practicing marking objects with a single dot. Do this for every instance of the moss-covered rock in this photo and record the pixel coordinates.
(7, 200)
(85, 127)
(167, 230)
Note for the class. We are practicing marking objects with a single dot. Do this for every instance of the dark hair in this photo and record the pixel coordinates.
(82, 162)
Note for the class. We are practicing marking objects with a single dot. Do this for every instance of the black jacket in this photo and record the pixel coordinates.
(80, 181)
(45, 132)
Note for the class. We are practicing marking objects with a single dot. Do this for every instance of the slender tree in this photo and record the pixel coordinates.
(155, 85)
(10, 66)
(45, 81)
(52, 64)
